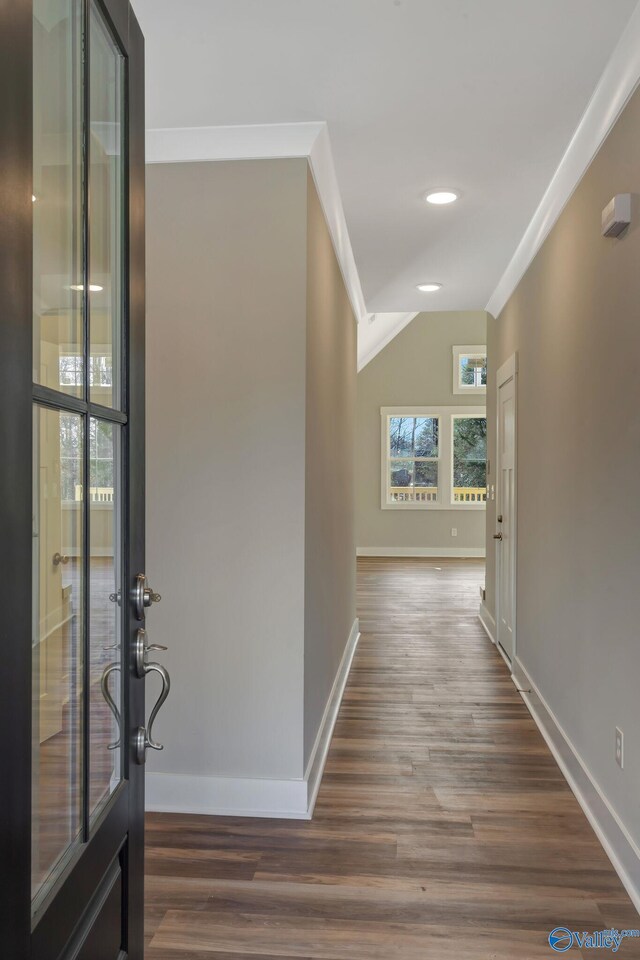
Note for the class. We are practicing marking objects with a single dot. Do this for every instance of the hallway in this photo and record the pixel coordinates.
(443, 827)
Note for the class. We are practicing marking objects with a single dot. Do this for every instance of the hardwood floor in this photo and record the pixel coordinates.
(443, 828)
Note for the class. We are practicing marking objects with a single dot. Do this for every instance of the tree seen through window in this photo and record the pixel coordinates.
(469, 454)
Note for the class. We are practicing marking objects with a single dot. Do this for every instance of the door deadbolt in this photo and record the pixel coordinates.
(143, 596)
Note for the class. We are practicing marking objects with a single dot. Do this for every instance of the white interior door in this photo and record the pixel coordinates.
(506, 511)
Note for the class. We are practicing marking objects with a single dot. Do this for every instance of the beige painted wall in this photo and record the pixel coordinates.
(330, 494)
(251, 368)
(574, 320)
(414, 369)
(226, 288)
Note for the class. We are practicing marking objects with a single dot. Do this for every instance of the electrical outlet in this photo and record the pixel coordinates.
(454, 531)
(620, 748)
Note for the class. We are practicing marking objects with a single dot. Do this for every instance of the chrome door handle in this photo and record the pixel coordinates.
(497, 536)
(104, 686)
(143, 596)
(140, 650)
(143, 738)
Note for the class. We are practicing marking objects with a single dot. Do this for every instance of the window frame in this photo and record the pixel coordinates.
(445, 417)
(477, 350)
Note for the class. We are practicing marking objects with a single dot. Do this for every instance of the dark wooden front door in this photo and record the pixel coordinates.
(71, 479)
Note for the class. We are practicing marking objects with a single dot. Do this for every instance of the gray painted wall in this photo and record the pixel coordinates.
(414, 369)
(329, 517)
(574, 320)
(226, 338)
(250, 358)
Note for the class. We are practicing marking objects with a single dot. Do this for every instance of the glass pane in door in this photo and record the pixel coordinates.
(57, 193)
(57, 641)
(105, 611)
(106, 152)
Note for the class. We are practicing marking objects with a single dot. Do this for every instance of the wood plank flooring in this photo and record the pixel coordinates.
(443, 828)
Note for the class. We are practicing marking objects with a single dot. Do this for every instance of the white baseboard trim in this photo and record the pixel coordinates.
(226, 796)
(618, 843)
(490, 628)
(436, 553)
(488, 622)
(318, 756)
(245, 797)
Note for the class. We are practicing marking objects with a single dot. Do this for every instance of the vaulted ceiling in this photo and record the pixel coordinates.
(479, 95)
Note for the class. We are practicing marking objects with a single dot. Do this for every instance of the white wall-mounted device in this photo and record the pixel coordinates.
(616, 216)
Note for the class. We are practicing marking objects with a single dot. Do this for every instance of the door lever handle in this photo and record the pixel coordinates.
(140, 650)
(104, 686)
(143, 738)
(497, 536)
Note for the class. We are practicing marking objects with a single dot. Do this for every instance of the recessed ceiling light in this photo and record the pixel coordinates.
(428, 287)
(79, 287)
(440, 197)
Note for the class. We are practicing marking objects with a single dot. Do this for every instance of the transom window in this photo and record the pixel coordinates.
(470, 369)
(434, 457)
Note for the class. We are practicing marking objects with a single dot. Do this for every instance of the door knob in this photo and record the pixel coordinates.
(497, 536)
(59, 558)
(143, 596)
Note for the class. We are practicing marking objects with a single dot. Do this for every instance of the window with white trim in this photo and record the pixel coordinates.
(434, 457)
(470, 369)
(71, 373)
(469, 458)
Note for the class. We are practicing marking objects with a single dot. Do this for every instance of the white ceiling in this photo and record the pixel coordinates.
(479, 95)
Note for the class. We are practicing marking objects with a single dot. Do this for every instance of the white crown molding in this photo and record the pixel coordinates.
(326, 181)
(616, 85)
(388, 326)
(258, 141)
(271, 141)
